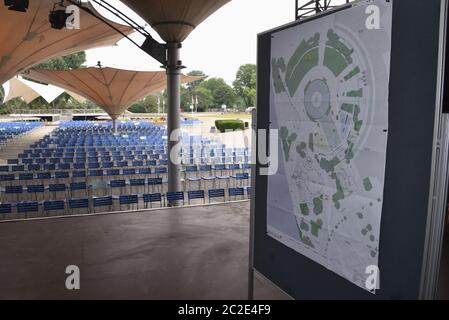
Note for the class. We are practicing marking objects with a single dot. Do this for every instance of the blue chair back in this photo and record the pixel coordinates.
(128, 199)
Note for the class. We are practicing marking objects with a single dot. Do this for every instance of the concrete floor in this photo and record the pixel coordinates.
(181, 253)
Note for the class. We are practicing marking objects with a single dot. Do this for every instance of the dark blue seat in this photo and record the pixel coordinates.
(13, 189)
(128, 199)
(175, 196)
(118, 183)
(34, 167)
(246, 166)
(129, 171)
(25, 207)
(241, 176)
(107, 164)
(96, 173)
(52, 205)
(78, 186)
(35, 188)
(79, 174)
(205, 168)
(234, 192)
(49, 166)
(18, 168)
(154, 181)
(191, 169)
(44, 175)
(137, 182)
(63, 166)
(4, 168)
(145, 171)
(216, 193)
(113, 172)
(78, 203)
(234, 166)
(196, 194)
(26, 176)
(7, 177)
(61, 175)
(160, 170)
(102, 201)
(137, 163)
(79, 165)
(152, 197)
(12, 161)
(57, 187)
(93, 165)
(219, 167)
(5, 208)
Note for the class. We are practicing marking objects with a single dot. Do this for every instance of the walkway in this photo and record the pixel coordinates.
(18, 145)
(179, 253)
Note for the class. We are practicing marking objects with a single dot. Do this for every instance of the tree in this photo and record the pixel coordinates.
(193, 85)
(221, 92)
(64, 101)
(71, 61)
(147, 105)
(245, 84)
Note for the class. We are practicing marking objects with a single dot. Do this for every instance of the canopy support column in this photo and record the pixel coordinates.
(173, 117)
(114, 126)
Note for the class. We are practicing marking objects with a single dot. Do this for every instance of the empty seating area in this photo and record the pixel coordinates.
(82, 167)
(12, 130)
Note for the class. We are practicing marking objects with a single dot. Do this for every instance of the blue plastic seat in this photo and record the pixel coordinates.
(234, 192)
(216, 193)
(13, 189)
(175, 196)
(52, 205)
(26, 207)
(152, 197)
(57, 187)
(196, 194)
(5, 208)
(35, 188)
(26, 176)
(117, 183)
(62, 175)
(78, 186)
(128, 199)
(78, 203)
(102, 201)
(137, 182)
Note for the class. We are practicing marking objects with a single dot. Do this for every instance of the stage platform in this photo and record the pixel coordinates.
(179, 253)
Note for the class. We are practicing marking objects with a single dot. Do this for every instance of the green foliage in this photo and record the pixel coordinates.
(64, 101)
(147, 105)
(72, 61)
(229, 124)
(220, 91)
(245, 84)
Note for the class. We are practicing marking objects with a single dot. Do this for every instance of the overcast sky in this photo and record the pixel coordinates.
(218, 46)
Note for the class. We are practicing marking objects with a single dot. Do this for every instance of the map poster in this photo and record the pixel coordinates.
(329, 101)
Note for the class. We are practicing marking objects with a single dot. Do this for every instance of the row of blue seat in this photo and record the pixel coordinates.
(99, 170)
(53, 205)
(60, 187)
(9, 130)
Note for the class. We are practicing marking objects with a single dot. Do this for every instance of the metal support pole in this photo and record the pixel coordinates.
(114, 126)
(173, 116)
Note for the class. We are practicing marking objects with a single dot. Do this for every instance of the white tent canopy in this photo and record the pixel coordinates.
(30, 90)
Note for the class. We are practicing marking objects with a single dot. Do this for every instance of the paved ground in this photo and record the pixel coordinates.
(13, 148)
(185, 253)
